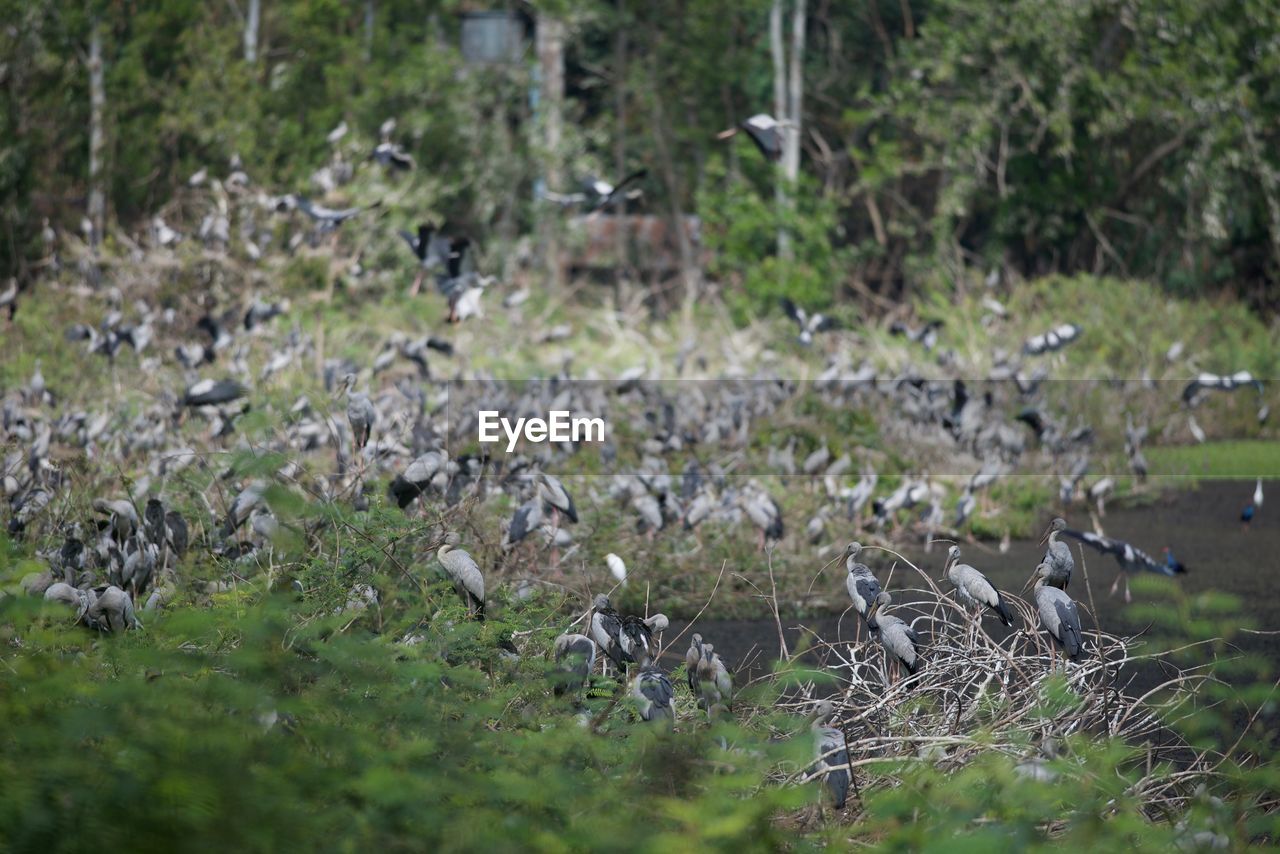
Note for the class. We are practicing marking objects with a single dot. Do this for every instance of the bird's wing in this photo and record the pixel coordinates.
(793, 311)
(868, 589)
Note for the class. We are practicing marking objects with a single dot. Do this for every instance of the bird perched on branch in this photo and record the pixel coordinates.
(861, 581)
(606, 627)
(466, 575)
(1057, 555)
(1058, 614)
(973, 589)
(715, 685)
(899, 640)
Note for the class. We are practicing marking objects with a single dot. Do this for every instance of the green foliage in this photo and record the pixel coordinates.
(740, 226)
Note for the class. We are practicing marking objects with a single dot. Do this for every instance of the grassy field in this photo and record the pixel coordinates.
(1246, 459)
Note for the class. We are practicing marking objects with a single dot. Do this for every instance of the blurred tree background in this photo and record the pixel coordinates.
(1136, 138)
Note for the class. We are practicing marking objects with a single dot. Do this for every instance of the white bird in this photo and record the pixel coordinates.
(1197, 432)
(617, 568)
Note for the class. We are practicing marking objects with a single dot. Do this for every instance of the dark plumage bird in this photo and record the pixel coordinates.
(810, 324)
(526, 520)
(416, 479)
(1218, 382)
(926, 335)
(831, 754)
(1053, 340)
(433, 250)
(654, 696)
(1130, 558)
(1172, 564)
(606, 630)
(575, 656)
(552, 491)
(390, 155)
(260, 312)
(212, 393)
(635, 640)
(601, 194)
(9, 299)
(764, 130)
(177, 535)
(1251, 509)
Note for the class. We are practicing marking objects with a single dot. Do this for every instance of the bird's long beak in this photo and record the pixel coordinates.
(1045, 538)
(871, 612)
(725, 134)
(1028, 583)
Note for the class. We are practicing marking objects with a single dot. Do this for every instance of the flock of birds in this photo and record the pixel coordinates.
(691, 469)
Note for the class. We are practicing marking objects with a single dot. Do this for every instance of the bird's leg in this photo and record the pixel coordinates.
(1114, 585)
(760, 548)
(1127, 598)
(417, 283)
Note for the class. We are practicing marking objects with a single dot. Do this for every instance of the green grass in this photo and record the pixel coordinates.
(1234, 459)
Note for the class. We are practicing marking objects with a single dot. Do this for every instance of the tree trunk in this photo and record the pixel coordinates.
(689, 271)
(622, 261)
(550, 47)
(97, 136)
(251, 19)
(795, 85)
(780, 113)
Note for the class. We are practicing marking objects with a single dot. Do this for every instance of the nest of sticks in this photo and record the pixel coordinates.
(973, 693)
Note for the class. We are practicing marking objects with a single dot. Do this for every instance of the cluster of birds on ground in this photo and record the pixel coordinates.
(696, 443)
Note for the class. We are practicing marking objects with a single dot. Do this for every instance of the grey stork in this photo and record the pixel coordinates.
(1058, 615)
(465, 573)
(973, 589)
(764, 130)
